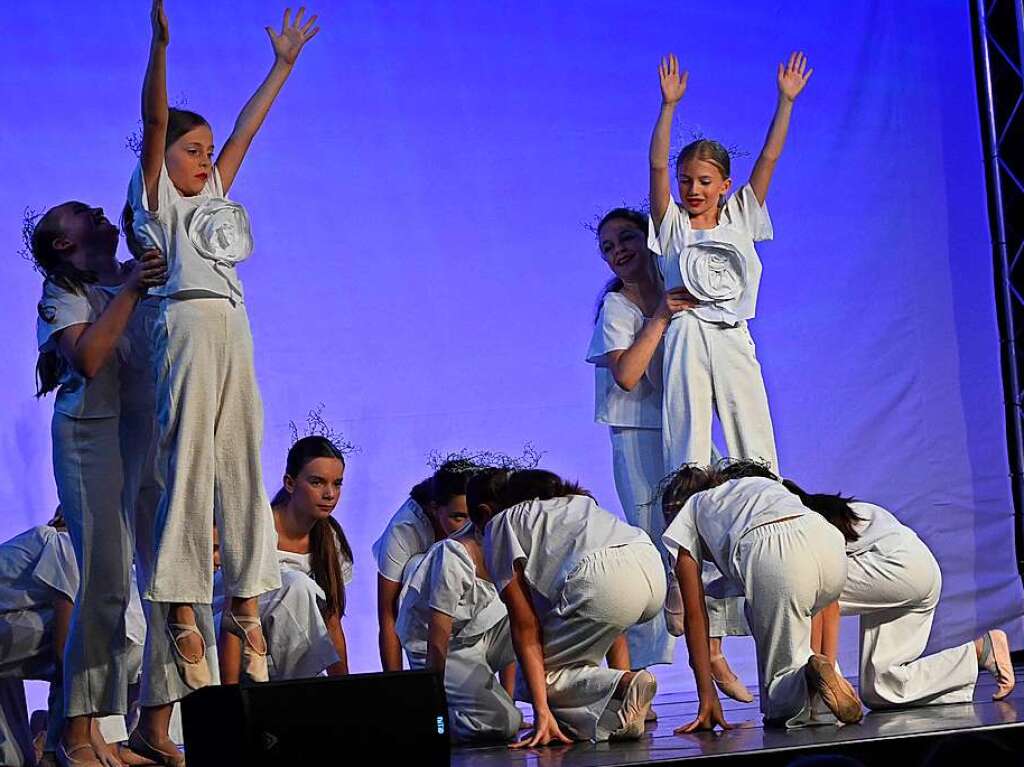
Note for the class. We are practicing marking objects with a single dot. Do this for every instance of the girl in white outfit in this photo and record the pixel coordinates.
(302, 620)
(893, 583)
(452, 621)
(436, 509)
(574, 578)
(707, 247)
(208, 403)
(787, 561)
(626, 353)
(86, 313)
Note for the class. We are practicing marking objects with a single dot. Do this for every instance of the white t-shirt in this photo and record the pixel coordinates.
(203, 237)
(303, 563)
(877, 525)
(552, 537)
(35, 566)
(446, 580)
(719, 266)
(711, 524)
(617, 327)
(59, 309)
(408, 533)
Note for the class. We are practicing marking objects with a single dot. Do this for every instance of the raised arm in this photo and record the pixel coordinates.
(791, 80)
(673, 86)
(387, 613)
(695, 617)
(88, 347)
(529, 645)
(287, 44)
(154, 104)
(629, 365)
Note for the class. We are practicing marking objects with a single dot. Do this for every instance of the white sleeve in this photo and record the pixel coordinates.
(57, 566)
(148, 225)
(60, 309)
(503, 547)
(682, 534)
(450, 579)
(745, 211)
(616, 329)
(394, 549)
(667, 239)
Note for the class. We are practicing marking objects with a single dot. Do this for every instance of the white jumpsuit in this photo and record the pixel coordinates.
(709, 360)
(893, 583)
(209, 411)
(634, 421)
(591, 578)
(446, 580)
(299, 646)
(788, 562)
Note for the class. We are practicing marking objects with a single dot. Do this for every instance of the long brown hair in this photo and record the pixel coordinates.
(55, 268)
(535, 484)
(327, 541)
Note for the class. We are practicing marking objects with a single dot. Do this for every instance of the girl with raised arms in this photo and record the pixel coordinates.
(706, 243)
(574, 578)
(625, 349)
(208, 404)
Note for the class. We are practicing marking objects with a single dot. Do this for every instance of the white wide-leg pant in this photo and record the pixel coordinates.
(710, 368)
(160, 682)
(479, 708)
(791, 570)
(89, 474)
(894, 587)
(609, 591)
(298, 643)
(211, 426)
(638, 467)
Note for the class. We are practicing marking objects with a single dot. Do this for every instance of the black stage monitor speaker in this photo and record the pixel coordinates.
(321, 721)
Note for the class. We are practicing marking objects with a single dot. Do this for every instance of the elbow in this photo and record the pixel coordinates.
(626, 383)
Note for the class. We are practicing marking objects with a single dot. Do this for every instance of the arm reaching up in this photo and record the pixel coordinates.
(673, 86)
(791, 81)
(287, 44)
(154, 104)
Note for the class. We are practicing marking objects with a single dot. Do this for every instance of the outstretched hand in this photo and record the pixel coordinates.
(545, 730)
(708, 716)
(161, 30)
(289, 41)
(673, 84)
(794, 76)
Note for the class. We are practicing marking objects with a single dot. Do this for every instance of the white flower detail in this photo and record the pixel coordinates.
(219, 230)
(714, 271)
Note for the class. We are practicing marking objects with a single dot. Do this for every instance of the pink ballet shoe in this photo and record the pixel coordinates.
(635, 705)
(139, 746)
(87, 756)
(734, 687)
(995, 659)
(835, 691)
(195, 673)
(254, 660)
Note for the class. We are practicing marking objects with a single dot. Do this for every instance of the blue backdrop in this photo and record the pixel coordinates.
(419, 194)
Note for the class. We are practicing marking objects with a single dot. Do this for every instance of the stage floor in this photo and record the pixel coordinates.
(878, 738)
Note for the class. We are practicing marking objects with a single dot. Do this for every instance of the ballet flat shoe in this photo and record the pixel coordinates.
(195, 673)
(995, 647)
(733, 688)
(254, 662)
(837, 694)
(635, 705)
(140, 746)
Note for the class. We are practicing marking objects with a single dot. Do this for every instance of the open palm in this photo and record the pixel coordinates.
(293, 35)
(794, 76)
(673, 84)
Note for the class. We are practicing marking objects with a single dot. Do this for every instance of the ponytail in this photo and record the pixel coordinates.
(833, 507)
